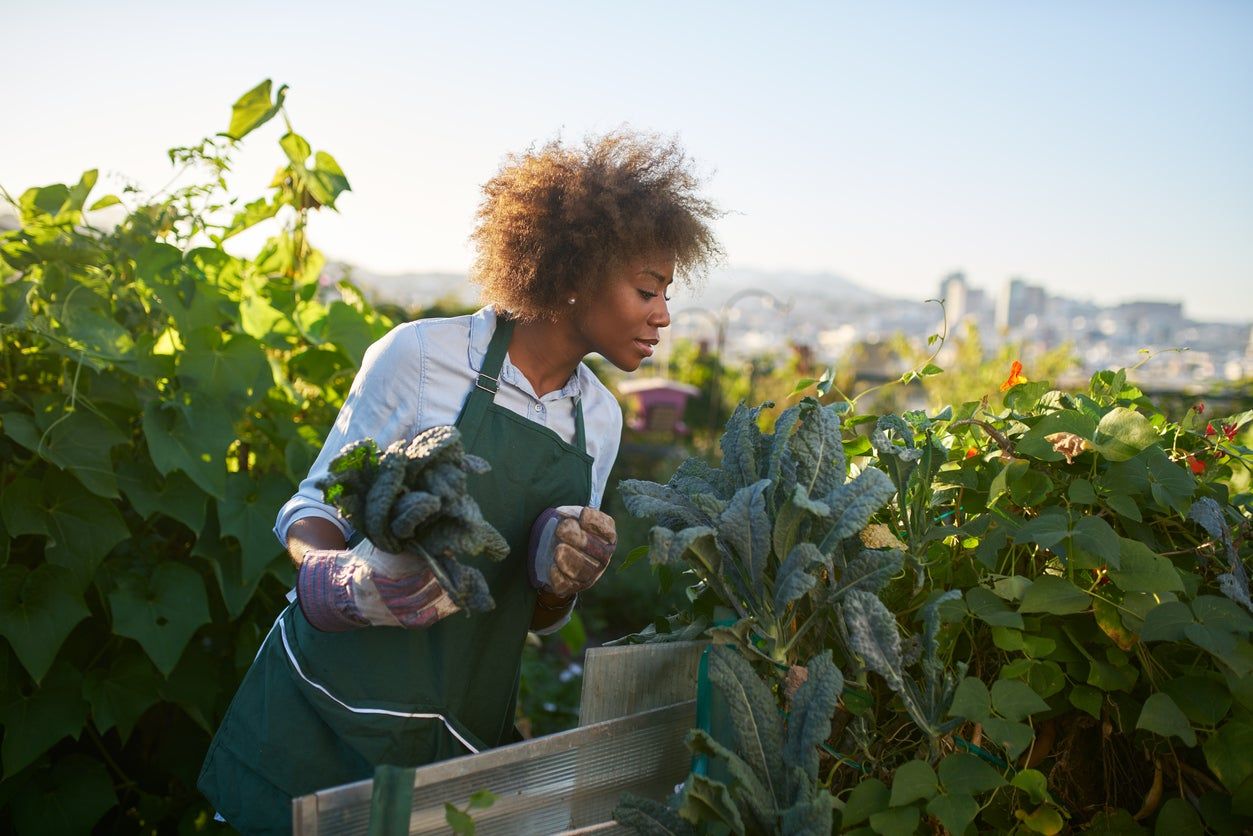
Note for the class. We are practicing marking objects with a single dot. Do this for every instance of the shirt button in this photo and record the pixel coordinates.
(539, 407)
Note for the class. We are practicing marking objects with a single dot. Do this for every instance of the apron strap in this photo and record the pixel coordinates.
(488, 381)
(580, 437)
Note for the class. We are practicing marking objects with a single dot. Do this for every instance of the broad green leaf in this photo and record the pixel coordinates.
(1178, 818)
(956, 811)
(1110, 822)
(1166, 622)
(1203, 700)
(195, 686)
(231, 370)
(1140, 570)
(1044, 819)
(1080, 492)
(1124, 506)
(870, 796)
(349, 331)
(32, 724)
(1014, 700)
(1012, 737)
(1033, 444)
(1226, 752)
(226, 561)
(1054, 595)
(326, 181)
(254, 109)
(1122, 433)
(1047, 530)
(247, 514)
(1086, 698)
(1029, 487)
(1161, 715)
(190, 439)
(160, 611)
(897, 821)
(81, 526)
(65, 798)
(1033, 783)
(175, 495)
(77, 441)
(296, 147)
(1222, 614)
(122, 692)
(990, 609)
(1109, 677)
(180, 290)
(971, 700)
(965, 774)
(1097, 538)
(38, 609)
(912, 781)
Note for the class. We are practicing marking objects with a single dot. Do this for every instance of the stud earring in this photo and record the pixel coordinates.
(571, 300)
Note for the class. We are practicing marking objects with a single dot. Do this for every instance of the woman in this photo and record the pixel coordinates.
(576, 250)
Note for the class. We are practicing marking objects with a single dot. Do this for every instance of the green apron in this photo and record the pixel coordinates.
(317, 709)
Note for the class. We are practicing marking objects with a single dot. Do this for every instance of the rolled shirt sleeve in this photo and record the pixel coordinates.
(383, 403)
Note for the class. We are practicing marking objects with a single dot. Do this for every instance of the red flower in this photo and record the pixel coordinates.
(1229, 430)
(1209, 429)
(1199, 408)
(972, 452)
(1198, 466)
(1015, 377)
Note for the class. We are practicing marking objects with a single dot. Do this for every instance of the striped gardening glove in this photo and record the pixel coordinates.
(570, 549)
(366, 587)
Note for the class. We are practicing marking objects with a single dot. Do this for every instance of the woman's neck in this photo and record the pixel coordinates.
(547, 353)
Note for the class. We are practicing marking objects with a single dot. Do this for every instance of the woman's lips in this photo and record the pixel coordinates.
(646, 347)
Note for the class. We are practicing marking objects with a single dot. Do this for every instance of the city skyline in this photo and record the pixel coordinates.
(1100, 149)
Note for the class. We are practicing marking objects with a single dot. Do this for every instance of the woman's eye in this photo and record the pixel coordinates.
(647, 295)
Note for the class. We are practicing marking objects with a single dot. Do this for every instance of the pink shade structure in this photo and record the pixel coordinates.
(658, 404)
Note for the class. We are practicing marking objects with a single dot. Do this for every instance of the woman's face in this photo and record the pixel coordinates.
(623, 321)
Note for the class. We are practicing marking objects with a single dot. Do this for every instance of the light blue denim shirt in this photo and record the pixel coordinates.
(419, 375)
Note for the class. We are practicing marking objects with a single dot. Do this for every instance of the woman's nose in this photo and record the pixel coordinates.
(660, 316)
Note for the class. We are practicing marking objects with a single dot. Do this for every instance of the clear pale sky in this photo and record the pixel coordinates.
(1104, 149)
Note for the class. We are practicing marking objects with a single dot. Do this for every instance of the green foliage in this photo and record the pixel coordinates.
(161, 398)
(1052, 618)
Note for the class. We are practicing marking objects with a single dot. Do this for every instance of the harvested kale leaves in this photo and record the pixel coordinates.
(411, 499)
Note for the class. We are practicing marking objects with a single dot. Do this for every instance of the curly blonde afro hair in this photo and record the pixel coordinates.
(554, 222)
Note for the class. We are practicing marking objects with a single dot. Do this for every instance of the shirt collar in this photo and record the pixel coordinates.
(482, 326)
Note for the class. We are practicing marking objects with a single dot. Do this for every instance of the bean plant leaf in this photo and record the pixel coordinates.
(1161, 715)
(1015, 700)
(1122, 433)
(972, 700)
(77, 441)
(65, 798)
(120, 693)
(38, 609)
(955, 811)
(247, 514)
(986, 606)
(868, 797)
(82, 527)
(254, 109)
(32, 724)
(1141, 570)
(193, 440)
(160, 610)
(913, 781)
(1055, 595)
(967, 775)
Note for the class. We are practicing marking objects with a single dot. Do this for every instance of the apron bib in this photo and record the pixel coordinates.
(318, 710)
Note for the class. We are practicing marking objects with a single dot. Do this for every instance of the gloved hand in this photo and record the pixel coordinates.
(570, 549)
(366, 587)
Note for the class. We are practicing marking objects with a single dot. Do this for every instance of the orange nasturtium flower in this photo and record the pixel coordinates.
(1015, 377)
(1197, 466)
(972, 452)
